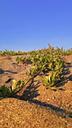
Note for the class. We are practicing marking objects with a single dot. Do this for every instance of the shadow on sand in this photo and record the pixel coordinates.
(7, 71)
(30, 94)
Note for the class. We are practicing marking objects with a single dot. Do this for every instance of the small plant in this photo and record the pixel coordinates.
(20, 59)
(11, 91)
(16, 85)
(4, 91)
(23, 60)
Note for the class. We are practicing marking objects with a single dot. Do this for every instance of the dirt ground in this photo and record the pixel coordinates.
(43, 108)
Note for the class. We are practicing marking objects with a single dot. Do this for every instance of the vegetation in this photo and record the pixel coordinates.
(46, 63)
(50, 65)
(12, 90)
(12, 53)
(20, 59)
(68, 52)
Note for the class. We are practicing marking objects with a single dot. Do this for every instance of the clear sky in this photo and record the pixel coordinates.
(32, 24)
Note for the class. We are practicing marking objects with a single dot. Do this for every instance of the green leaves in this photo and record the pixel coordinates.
(4, 91)
(16, 85)
(11, 91)
(50, 63)
(11, 52)
(47, 62)
(20, 59)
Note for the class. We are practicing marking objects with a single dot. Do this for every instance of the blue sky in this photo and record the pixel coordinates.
(32, 24)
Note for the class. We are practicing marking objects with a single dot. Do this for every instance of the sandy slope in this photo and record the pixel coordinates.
(20, 114)
(16, 113)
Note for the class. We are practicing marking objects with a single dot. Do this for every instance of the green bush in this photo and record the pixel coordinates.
(50, 64)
